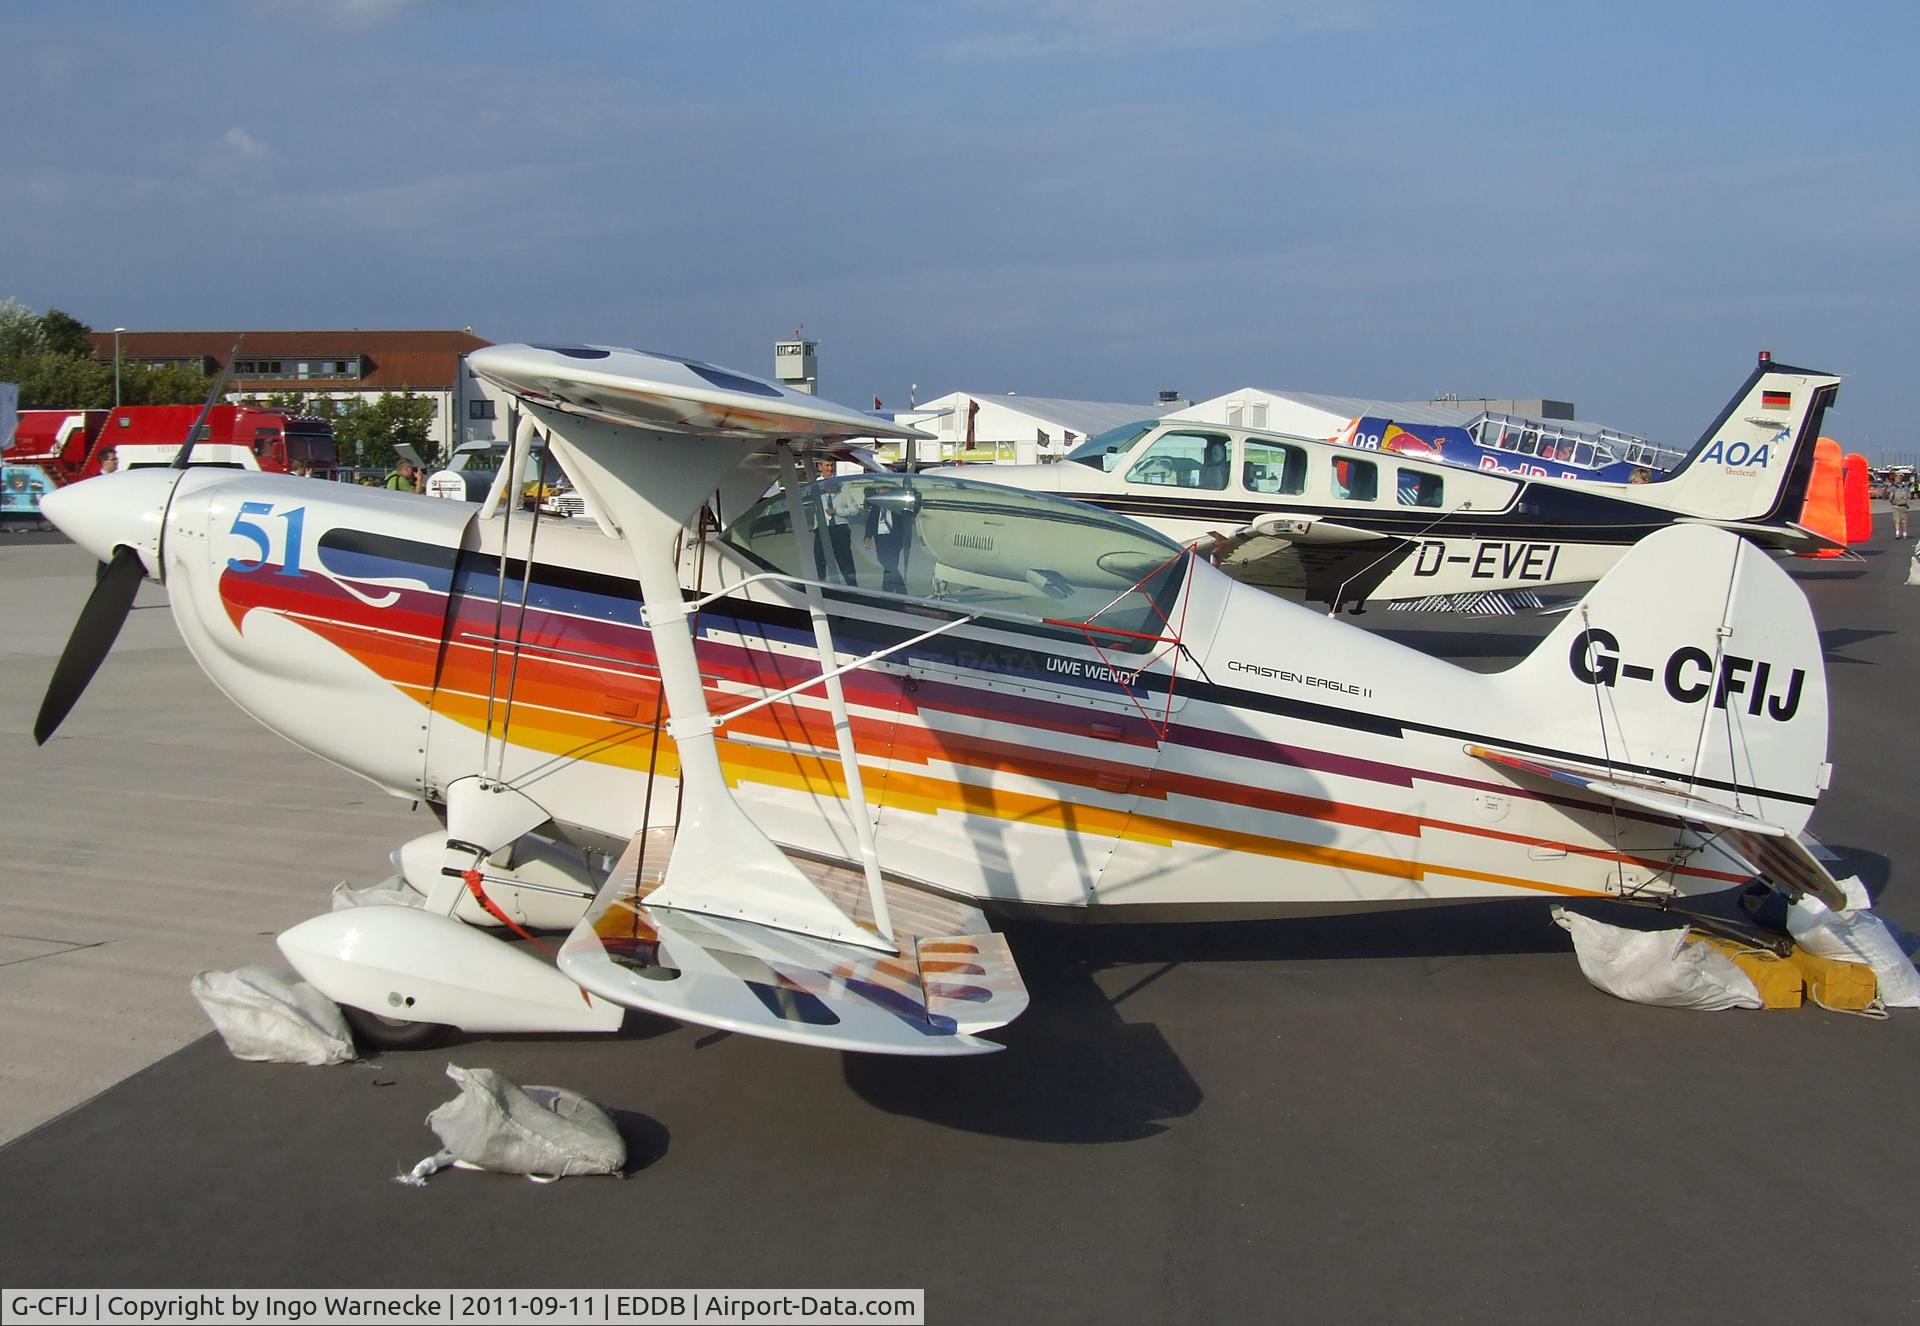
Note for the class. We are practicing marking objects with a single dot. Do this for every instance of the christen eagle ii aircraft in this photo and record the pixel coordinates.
(829, 734)
(1315, 521)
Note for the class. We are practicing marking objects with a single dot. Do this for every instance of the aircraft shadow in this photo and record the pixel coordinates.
(1076, 1069)
(1875, 871)
(1832, 642)
(1850, 569)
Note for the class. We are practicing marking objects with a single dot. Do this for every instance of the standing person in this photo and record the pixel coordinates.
(1900, 496)
(109, 463)
(405, 478)
(840, 505)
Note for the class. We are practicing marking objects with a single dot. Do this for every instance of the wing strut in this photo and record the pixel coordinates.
(809, 556)
(724, 865)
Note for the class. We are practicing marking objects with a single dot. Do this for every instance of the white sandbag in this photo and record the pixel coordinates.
(1656, 967)
(1856, 935)
(393, 892)
(266, 1018)
(545, 1133)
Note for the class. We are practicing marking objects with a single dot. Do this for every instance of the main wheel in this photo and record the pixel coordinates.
(384, 1033)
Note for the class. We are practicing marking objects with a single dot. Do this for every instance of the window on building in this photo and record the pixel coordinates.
(1185, 460)
(1272, 467)
(481, 409)
(1257, 414)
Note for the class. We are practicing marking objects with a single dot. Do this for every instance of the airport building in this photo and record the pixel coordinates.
(1022, 430)
(343, 365)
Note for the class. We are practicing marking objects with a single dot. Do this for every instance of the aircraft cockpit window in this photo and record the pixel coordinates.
(1104, 451)
(1415, 488)
(1185, 460)
(1274, 467)
(1355, 480)
(974, 546)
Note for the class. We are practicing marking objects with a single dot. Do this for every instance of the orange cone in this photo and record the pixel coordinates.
(1854, 481)
(1825, 509)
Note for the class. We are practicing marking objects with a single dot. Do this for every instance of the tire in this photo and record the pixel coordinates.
(373, 1031)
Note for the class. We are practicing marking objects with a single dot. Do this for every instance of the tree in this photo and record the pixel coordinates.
(21, 332)
(368, 431)
(172, 385)
(66, 334)
(298, 402)
(57, 382)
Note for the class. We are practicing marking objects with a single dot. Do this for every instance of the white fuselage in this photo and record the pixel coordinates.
(1275, 761)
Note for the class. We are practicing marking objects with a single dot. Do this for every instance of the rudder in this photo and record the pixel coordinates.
(1695, 661)
(1752, 463)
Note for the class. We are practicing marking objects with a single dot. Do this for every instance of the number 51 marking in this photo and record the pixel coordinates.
(296, 519)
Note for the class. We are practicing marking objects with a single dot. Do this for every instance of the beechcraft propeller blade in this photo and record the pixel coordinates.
(93, 636)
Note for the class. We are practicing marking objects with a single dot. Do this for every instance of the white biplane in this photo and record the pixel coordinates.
(829, 729)
(1316, 521)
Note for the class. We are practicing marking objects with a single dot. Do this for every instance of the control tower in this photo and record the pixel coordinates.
(794, 365)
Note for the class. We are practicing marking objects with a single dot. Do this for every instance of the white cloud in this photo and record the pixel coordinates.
(1041, 28)
(245, 146)
(333, 15)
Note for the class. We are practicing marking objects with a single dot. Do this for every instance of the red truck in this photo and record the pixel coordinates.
(68, 445)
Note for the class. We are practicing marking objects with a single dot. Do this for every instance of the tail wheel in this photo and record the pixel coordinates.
(385, 1033)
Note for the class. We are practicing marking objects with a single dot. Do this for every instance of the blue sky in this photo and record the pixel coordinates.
(1615, 204)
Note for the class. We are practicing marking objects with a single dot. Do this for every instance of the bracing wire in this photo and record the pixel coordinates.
(500, 587)
(520, 624)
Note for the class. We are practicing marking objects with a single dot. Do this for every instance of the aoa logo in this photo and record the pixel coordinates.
(1740, 454)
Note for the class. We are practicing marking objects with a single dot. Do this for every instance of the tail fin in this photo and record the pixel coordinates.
(1752, 463)
(1695, 662)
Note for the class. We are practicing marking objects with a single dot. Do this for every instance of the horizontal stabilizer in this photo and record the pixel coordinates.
(951, 979)
(1789, 538)
(1769, 848)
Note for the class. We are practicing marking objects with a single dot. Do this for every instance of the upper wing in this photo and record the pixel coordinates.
(668, 394)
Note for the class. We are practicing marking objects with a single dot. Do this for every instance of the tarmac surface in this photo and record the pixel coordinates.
(1404, 1116)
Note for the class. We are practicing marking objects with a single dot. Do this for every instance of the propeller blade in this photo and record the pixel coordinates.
(219, 385)
(93, 635)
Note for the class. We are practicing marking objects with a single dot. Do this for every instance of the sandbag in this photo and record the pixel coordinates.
(1656, 967)
(263, 1017)
(393, 892)
(1856, 935)
(545, 1133)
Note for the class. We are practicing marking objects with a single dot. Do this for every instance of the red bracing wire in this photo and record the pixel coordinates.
(1088, 628)
(476, 886)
